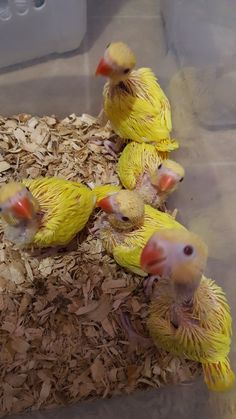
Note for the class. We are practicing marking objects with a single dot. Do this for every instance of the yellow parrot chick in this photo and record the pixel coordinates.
(189, 316)
(128, 225)
(142, 169)
(18, 210)
(134, 102)
(46, 211)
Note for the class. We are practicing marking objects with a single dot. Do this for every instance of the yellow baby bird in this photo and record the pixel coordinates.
(189, 316)
(128, 226)
(47, 211)
(151, 174)
(135, 104)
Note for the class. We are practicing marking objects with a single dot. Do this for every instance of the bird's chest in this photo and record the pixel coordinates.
(119, 97)
(147, 191)
(114, 238)
(121, 89)
(111, 239)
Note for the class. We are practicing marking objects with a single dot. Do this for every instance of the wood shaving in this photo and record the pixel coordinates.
(60, 336)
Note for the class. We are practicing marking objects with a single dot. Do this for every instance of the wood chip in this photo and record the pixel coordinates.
(15, 380)
(97, 370)
(44, 392)
(20, 345)
(60, 334)
(4, 165)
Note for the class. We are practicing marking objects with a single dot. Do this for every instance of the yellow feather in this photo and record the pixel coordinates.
(135, 160)
(122, 55)
(126, 246)
(203, 336)
(65, 206)
(139, 110)
(8, 190)
(136, 166)
(219, 376)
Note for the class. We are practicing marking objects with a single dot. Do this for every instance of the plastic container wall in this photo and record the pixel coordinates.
(202, 35)
(34, 28)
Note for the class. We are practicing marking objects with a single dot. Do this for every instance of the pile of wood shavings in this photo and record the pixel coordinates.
(60, 335)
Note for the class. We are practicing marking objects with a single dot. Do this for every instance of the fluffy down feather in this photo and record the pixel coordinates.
(139, 110)
(204, 335)
(65, 208)
(134, 102)
(126, 239)
(60, 209)
(150, 173)
(135, 160)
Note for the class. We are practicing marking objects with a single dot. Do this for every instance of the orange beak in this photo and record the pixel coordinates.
(103, 69)
(153, 259)
(106, 204)
(23, 209)
(166, 183)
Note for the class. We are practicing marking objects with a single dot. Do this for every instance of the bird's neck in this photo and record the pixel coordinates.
(116, 80)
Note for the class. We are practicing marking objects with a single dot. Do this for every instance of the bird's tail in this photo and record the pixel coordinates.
(167, 145)
(219, 376)
(103, 191)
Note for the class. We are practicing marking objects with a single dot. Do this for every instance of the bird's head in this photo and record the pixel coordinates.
(117, 62)
(178, 255)
(16, 203)
(125, 209)
(167, 176)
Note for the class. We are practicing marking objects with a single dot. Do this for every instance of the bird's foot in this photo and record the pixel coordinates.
(98, 225)
(148, 285)
(114, 148)
(133, 336)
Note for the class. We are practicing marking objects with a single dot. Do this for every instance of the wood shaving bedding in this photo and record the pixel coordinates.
(60, 336)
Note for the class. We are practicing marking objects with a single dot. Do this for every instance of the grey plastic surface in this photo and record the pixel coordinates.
(34, 28)
(205, 128)
(202, 35)
(159, 404)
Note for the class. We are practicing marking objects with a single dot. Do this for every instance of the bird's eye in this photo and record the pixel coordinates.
(160, 166)
(181, 180)
(108, 45)
(188, 250)
(125, 218)
(27, 188)
(126, 71)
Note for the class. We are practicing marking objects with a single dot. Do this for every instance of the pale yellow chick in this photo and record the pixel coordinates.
(47, 211)
(128, 226)
(189, 316)
(150, 173)
(134, 102)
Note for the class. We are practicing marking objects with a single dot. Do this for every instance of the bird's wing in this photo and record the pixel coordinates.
(129, 259)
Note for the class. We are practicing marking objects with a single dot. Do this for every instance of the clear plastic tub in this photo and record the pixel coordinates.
(34, 28)
(203, 38)
(191, 46)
